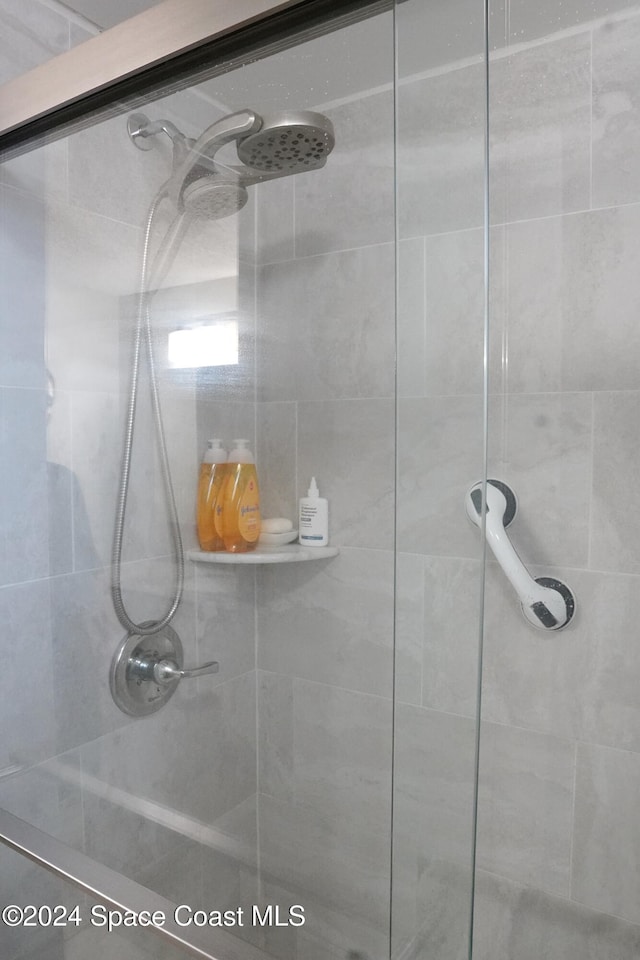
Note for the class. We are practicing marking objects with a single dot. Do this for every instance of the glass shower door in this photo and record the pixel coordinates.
(306, 222)
(441, 390)
(558, 832)
(261, 792)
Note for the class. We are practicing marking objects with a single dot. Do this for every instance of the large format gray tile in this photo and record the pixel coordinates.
(610, 668)
(27, 709)
(62, 491)
(225, 619)
(530, 21)
(527, 674)
(85, 635)
(434, 762)
(540, 129)
(518, 922)
(124, 183)
(350, 202)
(348, 445)
(275, 736)
(44, 799)
(83, 334)
(455, 319)
(431, 907)
(409, 627)
(276, 458)
(327, 326)
(226, 420)
(96, 437)
(25, 477)
(440, 152)
(538, 322)
(342, 759)
(41, 172)
(177, 875)
(452, 604)
(98, 433)
(578, 330)
(440, 443)
(616, 116)
(90, 253)
(455, 308)
(22, 288)
(614, 533)
(330, 621)
(327, 834)
(440, 34)
(606, 843)
(341, 876)
(275, 229)
(23, 882)
(525, 806)
(411, 319)
(56, 810)
(541, 446)
(180, 426)
(196, 757)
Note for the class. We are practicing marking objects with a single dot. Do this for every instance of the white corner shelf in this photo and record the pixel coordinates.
(291, 553)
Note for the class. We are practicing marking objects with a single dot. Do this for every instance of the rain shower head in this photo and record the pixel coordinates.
(268, 147)
(289, 143)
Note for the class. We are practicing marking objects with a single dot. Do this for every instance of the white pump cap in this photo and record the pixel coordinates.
(313, 489)
(215, 452)
(241, 452)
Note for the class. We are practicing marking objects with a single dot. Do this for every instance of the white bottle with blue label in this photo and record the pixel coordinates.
(313, 521)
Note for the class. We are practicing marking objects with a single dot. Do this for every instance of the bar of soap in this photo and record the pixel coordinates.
(276, 525)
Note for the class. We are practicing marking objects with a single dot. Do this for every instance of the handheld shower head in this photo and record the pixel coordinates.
(213, 197)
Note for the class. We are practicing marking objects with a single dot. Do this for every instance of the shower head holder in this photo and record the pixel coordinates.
(142, 133)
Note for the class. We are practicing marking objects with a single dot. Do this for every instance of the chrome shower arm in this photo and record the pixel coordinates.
(140, 129)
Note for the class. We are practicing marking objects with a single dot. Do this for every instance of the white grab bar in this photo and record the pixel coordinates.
(546, 602)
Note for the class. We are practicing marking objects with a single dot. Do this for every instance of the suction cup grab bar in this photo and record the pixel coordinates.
(546, 602)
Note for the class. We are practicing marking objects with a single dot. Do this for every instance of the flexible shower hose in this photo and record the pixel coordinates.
(143, 323)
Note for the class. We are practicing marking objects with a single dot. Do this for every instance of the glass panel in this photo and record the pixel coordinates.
(441, 107)
(55, 921)
(558, 836)
(269, 782)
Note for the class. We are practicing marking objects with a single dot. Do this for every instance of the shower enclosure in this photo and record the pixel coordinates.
(420, 285)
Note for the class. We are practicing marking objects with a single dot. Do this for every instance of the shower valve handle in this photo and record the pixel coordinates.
(166, 670)
(546, 602)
